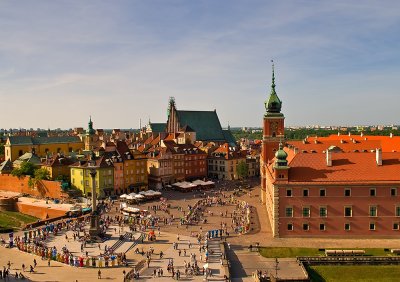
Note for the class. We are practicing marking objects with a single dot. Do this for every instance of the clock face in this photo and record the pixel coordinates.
(274, 125)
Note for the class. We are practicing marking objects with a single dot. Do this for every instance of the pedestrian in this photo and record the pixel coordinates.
(34, 262)
(48, 262)
(23, 267)
(99, 274)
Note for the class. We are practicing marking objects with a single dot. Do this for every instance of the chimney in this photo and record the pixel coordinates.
(328, 158)
(295, 150)
(362, 134)
(391, 135)
(378, 156)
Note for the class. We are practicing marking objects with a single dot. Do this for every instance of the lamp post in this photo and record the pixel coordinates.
(94, 230)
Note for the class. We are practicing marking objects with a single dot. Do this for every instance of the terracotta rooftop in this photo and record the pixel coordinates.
(348, 143)
(346, 168)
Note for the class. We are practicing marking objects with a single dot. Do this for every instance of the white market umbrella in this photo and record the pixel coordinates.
(123, 196)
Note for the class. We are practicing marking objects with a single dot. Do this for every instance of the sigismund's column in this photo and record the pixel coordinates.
(94, 230)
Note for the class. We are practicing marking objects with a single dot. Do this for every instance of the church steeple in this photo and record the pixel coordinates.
(273, 104)
(90, 130)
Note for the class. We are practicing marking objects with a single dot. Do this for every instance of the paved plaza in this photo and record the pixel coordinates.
(244, 262)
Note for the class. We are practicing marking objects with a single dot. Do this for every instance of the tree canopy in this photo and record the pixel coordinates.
(242, 170)
(26, 168)
(42, 174)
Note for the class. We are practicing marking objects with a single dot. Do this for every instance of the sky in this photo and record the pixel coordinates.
(336, 62)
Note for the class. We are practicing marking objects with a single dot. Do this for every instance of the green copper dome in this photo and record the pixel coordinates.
(90, 130)
(273, 104)
(281, 156)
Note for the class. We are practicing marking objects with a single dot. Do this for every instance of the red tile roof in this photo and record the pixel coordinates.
(349, 143)
(346, 168)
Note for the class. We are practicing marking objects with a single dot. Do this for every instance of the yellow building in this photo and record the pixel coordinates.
(135, 172)
(16, 146)
(130, 168)
(82, 180)
(58, 167)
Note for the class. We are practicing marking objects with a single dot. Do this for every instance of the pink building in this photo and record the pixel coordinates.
(329, 187)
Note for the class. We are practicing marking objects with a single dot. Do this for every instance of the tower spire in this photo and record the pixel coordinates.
(273, 77)
(273, 104)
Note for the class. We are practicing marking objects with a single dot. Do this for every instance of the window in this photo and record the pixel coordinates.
(87, 182)
(322, 226)
(289, 193)
(306, 226)
(305, 192)
(322, 212)
(289, 212)
(347, 192)
(396, 226)
(372, 226)
(322, 192)
(397, 210)
(372, 192)
(347, 226)
(373, 211)
(393, 192)
(348, 211)
(290, 226)
(306, 212)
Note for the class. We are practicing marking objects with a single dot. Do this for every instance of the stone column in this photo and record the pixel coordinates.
(94, 196)
(94, 230)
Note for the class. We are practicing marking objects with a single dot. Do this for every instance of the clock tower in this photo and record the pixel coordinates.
(273, 131)
(273, 127)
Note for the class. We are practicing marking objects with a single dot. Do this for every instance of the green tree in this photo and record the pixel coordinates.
(1, 149)
(26, 168)
(42, 174)
(242, 170)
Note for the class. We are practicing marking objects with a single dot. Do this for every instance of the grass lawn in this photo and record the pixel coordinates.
(283, 252)
(14, 220)
(381, 273)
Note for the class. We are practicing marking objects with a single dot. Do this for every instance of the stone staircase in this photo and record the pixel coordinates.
(214, 247)
(120, 242)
